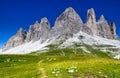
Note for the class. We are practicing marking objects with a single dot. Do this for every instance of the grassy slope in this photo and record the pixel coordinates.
(66, 63)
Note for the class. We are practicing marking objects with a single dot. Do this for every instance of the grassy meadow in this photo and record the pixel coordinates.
(65, 63)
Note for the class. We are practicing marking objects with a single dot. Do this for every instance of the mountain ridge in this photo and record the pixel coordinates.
(66, 26)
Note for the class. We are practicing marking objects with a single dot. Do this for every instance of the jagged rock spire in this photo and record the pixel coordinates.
(91, 21)
(91, 18)
(113, 30)
(44, 29)
(102, 19)
(44, 22)
(71, 13)
(38, 30)
(67, 23)
(104, 28)
(21, 32)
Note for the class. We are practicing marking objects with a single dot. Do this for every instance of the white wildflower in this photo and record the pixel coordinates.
(71, 71)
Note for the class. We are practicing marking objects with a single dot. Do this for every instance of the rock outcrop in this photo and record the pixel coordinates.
(104, 28)
(45, 29)
(67, 24)
(39, 30)
(87, 29)
(91, 21)
(113, 30)
(16, 40)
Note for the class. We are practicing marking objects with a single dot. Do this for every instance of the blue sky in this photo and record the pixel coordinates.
(15, 14)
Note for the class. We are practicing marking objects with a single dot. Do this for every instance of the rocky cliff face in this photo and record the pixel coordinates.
(113, 30)
(67, 24)
(104, 28)
(32, 31)
(16, 40)
(39, 30)
(91, 21)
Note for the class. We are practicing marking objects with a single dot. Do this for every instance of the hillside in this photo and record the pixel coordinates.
(64, 63)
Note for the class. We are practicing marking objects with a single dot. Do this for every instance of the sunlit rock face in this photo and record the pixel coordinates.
(68, 23)
(91, 21)
(16, 40)
(39, 30)
(87, 29)
(104, 28)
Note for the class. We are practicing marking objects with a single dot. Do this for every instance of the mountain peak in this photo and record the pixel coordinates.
(91, 18)
(69, 9)
(91, 12)
(102, 18)
(44, 20)
(45, 23)
(68, 22)
(91, 21)
(70, 13)
(20, 31)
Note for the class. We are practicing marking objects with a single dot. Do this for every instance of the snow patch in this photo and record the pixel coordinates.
(29, 47)
(117, 57)
(90, 40)
(84, 49)
(93, 41)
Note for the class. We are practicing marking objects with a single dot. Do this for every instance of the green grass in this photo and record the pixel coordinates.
(65, 63)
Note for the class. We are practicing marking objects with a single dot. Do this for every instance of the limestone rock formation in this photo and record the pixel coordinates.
(44, 29)
(33, 31)
(68, 23)
(87, 29)
(16, 40)
(91, 21)
(113, 30)
(104, 28)
(39, 30)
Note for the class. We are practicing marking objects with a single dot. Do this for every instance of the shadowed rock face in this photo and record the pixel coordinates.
(113, 30)
(67, 24)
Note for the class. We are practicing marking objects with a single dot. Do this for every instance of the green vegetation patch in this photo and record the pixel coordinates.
(60, 63)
